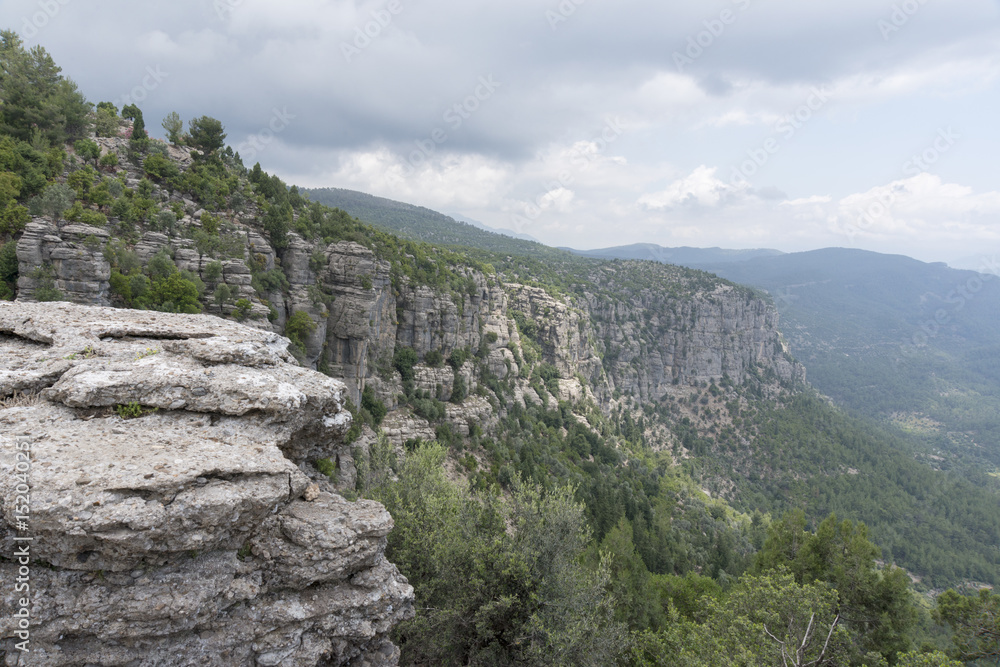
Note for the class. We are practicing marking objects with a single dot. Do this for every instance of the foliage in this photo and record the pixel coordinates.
(173, 126)
(206, 134)
(975, 623)
(108, 161)
(458, 389)
(87, 149)
(242, 309)
(131, 410)
(139, 139)
(876, 604)
(106, 121)
(489, 595)
(45, 284)
(373, 405)
(38, 102)
(298, 328)
(55, 200)
(160, 168)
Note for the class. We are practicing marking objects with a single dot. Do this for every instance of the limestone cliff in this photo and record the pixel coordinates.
(172, 515)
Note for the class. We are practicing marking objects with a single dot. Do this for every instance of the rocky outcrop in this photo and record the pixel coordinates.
(362, 316)
(171, 520)
(67, 262)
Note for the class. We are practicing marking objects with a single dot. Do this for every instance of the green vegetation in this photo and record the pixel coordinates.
(133, 410)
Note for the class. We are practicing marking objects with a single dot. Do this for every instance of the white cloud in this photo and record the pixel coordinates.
(700, 187)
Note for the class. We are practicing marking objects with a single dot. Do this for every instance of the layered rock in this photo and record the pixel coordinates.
(172, 523)
(68, 259)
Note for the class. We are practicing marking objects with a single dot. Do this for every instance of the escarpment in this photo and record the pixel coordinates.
(172, 516)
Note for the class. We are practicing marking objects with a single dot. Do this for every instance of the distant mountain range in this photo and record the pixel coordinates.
(695, 258)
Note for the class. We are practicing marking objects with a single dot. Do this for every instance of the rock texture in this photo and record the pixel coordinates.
(188, 535)
(69, 259)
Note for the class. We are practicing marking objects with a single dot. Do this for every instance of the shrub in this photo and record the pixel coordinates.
(434, 358)
(299, 327)
(54, 200)
(223, 294)
(108, 161)
(160, 168)
(373, 405)
(458, 389)
(242, 310)
(404, 359)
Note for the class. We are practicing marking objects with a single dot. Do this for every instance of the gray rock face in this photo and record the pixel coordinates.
(69, 259)
(187, 535)
(362, 320)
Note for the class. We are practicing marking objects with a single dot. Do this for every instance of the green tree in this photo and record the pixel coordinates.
(173, 126)
(87, 149)
(771, 619)
(499, 581)
(636, 600)
(206, 134)
(13, 216)
(975, 624)
(140, 138)
(8, 269)
(875, 604)
(38, 102)
(276, 222)
(56, 198)
(106, 121)
(223, 294)
(174, 294)
(935, 659)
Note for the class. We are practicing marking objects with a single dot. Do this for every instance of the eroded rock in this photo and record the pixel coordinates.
(171, 521)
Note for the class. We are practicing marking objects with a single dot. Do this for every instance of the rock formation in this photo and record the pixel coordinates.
(172, 518)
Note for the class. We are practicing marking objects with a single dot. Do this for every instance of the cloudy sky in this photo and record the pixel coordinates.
(734, 123)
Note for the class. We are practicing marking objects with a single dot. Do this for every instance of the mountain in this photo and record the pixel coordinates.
(905, 341)
(423, 224)
(495, 230)
(694, 257)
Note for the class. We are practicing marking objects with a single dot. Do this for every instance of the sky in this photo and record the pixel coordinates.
(782, 124)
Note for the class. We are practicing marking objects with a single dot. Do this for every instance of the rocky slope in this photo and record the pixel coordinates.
(172, 514)
(642, 346)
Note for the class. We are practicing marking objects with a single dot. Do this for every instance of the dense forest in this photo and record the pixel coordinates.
(723, 524)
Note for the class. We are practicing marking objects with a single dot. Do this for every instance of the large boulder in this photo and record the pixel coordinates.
(171, 522)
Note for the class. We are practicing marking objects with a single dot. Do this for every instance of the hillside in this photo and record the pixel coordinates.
(592, 449)
(904, 341)
(696, 258)
(422, 224)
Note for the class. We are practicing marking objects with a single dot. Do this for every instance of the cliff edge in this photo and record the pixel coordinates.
(171, 515)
